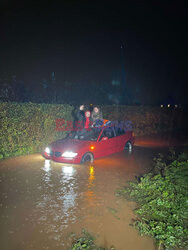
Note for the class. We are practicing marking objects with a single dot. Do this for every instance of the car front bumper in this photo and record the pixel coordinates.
(74, 160)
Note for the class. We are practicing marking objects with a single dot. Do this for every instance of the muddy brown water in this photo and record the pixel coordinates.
(42, 202)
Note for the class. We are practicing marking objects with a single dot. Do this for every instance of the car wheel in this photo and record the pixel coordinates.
(87, 157)
(128, 148)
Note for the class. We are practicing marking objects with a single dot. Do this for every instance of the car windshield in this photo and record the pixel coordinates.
(91, 135)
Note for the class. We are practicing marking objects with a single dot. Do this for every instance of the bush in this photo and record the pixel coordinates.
(27, 127)
(85, 241)
(163, 203)
(147, 120)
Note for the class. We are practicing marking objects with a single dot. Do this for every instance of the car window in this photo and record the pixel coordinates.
(119, 131)
(91, 135)
(108, 132)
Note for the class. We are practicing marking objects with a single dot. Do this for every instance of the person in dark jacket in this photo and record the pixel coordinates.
(80, 113)
(86, 123)
(78, 120)
(97, 117)
(79, 117)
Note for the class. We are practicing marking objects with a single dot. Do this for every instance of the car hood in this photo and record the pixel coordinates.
(68, 145)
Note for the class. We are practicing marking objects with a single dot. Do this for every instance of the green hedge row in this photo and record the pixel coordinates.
(27, 127)
(147, 120)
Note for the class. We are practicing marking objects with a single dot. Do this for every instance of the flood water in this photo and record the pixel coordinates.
(42, 202)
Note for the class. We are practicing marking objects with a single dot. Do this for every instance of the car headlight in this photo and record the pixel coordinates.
(69, 154)
(47, 150)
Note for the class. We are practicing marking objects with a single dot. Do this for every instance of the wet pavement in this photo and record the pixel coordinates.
(42, 202)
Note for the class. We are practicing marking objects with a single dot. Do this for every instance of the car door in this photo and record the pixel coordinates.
(121, 138)
(106, 143)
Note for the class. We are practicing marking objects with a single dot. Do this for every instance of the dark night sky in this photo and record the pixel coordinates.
(80, 41)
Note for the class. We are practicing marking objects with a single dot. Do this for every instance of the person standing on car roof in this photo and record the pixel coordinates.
(80, 113)
(86, 129)
(78, 119)
(97, 117)
(80, 116)
(83, 118)
(87, 120)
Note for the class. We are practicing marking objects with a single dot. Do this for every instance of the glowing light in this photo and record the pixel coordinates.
(90, 195)
(47, 150)
(67, 195)
(91, 175)
(176, 105)
(91, 170)
(92, 147)
(162, 106)
(69, 154)
(46, 166)
(68, 170)
(168, 105)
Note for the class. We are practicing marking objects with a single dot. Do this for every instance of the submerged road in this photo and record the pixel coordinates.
(42, 202)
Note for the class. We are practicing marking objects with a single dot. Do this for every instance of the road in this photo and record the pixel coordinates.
(42, 202)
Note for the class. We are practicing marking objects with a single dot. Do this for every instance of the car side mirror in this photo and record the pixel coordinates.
(104, 138)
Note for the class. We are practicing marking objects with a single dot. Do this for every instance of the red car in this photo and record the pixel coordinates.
(96, 143)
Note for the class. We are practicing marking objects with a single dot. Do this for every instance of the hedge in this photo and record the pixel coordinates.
(27, 127)
(147, 120)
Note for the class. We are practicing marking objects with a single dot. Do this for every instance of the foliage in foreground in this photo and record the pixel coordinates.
(162, 197)
(27, 128)
(86, 241)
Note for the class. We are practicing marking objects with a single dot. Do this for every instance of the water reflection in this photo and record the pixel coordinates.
(91, 176)
(53, 199)
(68, 170)
(68, 192)
(90, 193)
(47, 170)
(47, 166)
(55, 208)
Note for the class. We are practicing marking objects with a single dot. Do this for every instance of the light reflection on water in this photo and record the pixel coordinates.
(47, 165)
(91, 176)
(55, 208)
(68, 193)
(90, 195)
(68, 170)
(47, 170)
(58, 199)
